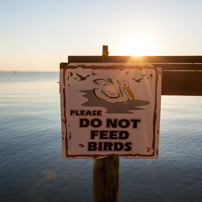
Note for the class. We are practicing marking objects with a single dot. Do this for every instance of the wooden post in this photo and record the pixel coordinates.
(106, 179)
(106, 170)
(105, 54)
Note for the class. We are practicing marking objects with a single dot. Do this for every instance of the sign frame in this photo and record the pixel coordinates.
(93, 66)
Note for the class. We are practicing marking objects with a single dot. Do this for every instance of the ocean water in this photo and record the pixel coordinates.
(31, 164)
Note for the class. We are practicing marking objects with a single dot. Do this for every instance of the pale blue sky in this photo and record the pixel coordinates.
(39, 34)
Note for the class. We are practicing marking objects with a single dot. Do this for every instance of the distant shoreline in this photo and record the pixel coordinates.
(25, 71)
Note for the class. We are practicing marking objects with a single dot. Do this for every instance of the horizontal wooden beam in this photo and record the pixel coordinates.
(188, 67)
(181, 83)
(173, 66)
(135, 59)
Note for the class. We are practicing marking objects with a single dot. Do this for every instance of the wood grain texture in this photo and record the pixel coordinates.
(176, 66)
(182, 83)
(106, 179)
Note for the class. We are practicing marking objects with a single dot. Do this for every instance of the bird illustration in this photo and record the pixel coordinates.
(148, 149)
(138, 80)
(114, 92)
(81, 145)
(82, 78)
(151, 75)
(93, 73)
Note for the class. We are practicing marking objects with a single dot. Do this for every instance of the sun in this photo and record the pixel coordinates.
(137, 46)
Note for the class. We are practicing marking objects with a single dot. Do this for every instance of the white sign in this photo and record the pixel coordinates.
(110, 109)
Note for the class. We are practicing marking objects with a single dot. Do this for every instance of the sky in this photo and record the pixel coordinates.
(37, 35)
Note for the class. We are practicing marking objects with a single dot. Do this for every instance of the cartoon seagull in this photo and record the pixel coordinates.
(93, 73)
(82, 78)
(109, 91)
(138, 80)
(81, 145)
(148, 149)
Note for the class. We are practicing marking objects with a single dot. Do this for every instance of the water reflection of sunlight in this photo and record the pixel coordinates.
(28, 88)
(29, 97)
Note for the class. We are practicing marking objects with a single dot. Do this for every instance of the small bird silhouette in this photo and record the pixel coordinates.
(148, 149)
(82, 78)
(81, 145)
(93, 73)
(151, 75)
(138, 80)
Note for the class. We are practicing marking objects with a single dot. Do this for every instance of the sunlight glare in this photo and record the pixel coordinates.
(137, 46)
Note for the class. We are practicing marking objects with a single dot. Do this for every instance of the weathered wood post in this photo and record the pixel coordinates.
(106, 170)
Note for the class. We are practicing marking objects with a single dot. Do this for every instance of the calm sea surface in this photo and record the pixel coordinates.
(31, 164)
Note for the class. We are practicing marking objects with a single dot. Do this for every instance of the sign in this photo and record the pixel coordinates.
(110, 109)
